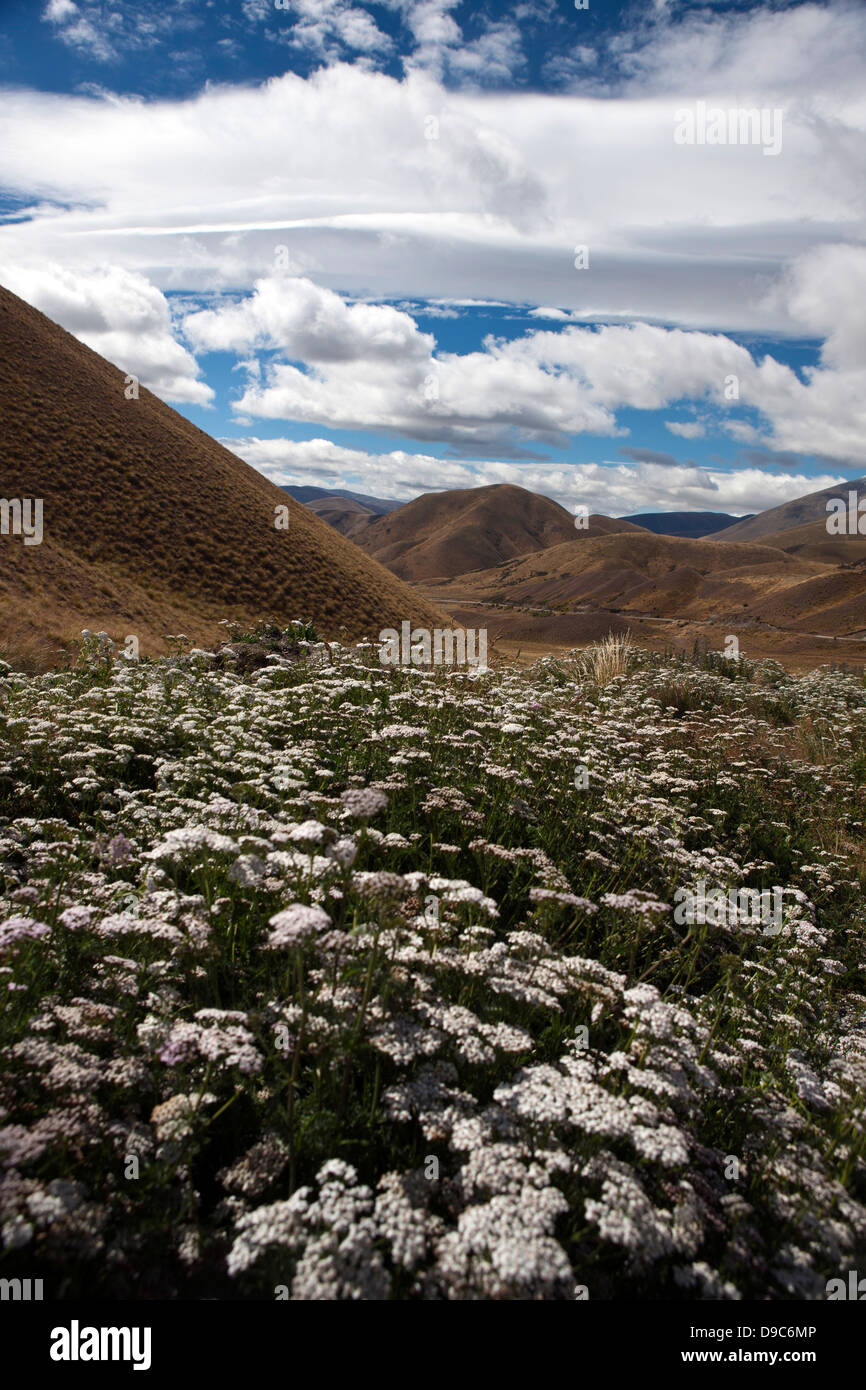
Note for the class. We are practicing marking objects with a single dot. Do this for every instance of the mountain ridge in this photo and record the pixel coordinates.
(441, 534)
(799, 511)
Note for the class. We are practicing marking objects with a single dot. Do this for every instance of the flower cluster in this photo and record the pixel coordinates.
(255, 1045)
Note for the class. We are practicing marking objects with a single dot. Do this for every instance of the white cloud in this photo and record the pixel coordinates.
(370, 368)
(196, 193)
(84, 31)
(623, 489)
(320, 462)
(104, 31)
(58, 11)
(614, 488)
(817, 47)
(122, 317)
(826, 292)
(495, 56)
(308, 322)
(441, 48)
(328, 28)
(686, 429)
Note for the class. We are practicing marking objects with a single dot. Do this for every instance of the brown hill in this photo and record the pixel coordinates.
(812, 542)
(674, 578)
(832, 603)
(443, 534)
(800, 512)
(150, 526)
(600, 525)
(345, 516)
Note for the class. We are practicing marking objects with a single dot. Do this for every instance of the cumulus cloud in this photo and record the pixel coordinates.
(398, 474)
(368, 367)
(778, 52)
(59, 11)
(121, 316)
(329, 28)
(686, 429)
(825, 292)
(623, 489)
(306, 321)
(611, 487)
(438, 44)
(384, 375)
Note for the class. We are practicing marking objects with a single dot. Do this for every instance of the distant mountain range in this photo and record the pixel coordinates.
(348, 512)
(377, 505)
(502, 545)
(691, 524)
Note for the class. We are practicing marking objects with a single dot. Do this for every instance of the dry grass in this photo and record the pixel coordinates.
(150, 525)
(741, 585)
(443, 534)
(605, 660)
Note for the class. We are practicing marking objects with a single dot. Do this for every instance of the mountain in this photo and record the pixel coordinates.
(346, 511)
(814, 542)
(674, 578)
(443, 534)
(800, 512)
(311, 495)
(150, 526)
(693, 525)
(345, 516)
(601, 525)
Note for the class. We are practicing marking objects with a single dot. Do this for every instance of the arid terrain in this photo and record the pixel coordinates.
(150, 526)
(797, 593)
(443, 534)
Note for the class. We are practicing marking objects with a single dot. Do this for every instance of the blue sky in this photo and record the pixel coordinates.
(416, 245)
(171, 48)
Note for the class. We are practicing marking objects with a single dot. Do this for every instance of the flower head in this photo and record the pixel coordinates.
(295, 924)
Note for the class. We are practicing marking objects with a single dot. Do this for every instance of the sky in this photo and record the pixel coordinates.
(615, 254)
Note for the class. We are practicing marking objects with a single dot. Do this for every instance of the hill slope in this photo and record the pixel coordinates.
(150, 526)
(800, 512)
(670, 577)
(813, 542)
(443, 534)
(345, 516)
(310, 496)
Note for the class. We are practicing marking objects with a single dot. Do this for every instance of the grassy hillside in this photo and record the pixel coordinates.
(150, 526)
(446, 533)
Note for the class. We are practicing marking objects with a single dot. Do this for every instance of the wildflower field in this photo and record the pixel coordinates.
(324, 980)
